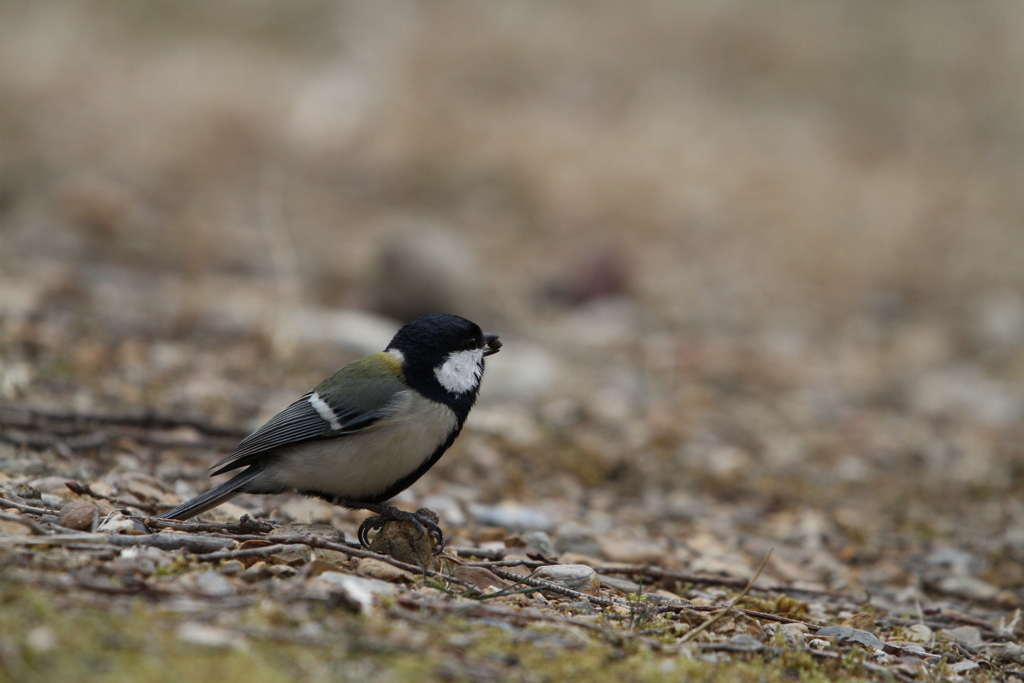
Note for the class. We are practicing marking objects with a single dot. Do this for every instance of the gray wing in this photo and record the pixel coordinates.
(301, 421)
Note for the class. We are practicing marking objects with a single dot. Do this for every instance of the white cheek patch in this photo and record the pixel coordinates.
(461, 371)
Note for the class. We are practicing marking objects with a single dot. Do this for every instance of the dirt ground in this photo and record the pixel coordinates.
(756, 267)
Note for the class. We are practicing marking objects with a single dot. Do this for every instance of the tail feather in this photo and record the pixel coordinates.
(212, 498)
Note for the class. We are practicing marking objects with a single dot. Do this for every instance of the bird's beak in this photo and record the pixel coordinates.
(491, 344)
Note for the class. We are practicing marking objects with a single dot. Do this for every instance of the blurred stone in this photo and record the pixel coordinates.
(377, 569)
(631, 552)
(541, 543)
(318, 530)
(1000, 322)
(624, 586)
(602, 274)
(50, 485)
(510, 423)
(966, 390)
(213, 584)
(969, 636)
(491, 534)
(446, 507)
(919, 633)
(356, 331)
(119, 523)
(132, 565)
(1009, 653)
(479, 577)
(354, 591)
(307, 510)
(845, 635)
(522, 372)
(963, 666)
(599, 324)
(424, 267)
(282, 571)
(293, 554)
(510, 515)
(255, 572)
(41, 640)
(577, 577)
(861, 620)
(967, 587)
(79, 515)
(232, 568)
(204, 635)
(571, 537)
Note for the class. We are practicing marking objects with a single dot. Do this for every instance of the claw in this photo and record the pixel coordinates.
(423, 523)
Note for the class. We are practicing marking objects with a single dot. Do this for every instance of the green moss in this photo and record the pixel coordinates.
(135, 641)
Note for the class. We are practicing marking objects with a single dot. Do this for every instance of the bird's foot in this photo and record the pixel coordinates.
(425, 521)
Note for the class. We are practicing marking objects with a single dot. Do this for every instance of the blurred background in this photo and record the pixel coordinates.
(757, 259)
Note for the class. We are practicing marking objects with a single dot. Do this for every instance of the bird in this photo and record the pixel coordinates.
(368, 431)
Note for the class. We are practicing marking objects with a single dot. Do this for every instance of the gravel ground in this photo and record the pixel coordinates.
(758, 277)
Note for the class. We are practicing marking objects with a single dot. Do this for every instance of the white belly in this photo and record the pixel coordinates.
(364, 463)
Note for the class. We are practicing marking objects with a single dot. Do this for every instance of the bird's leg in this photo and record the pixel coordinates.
(387, 513)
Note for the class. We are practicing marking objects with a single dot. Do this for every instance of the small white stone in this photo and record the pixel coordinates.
(205, 635)
(41, 639)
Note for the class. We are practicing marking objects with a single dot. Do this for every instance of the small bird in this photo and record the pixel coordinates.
(368, 431)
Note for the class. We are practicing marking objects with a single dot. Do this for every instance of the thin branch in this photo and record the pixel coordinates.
(4, 503)
(245, 525)
(264, 551)
(25, 521)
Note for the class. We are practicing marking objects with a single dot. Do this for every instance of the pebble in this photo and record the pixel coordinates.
(50, 485)
(511, 515)
(255, 572)
(969, 636)
(355, 591)
(919, 633)
(862, 620)
(356, 331)
(214, 585)
(423, 267)
(964, 665)
(333, 557)
(41, 639)
(79, 515)
(1009, 653)
(282, 571)
(480, 577)
(571, 537)
(577, 577)
(526, 373)
(631, 552)
(293, 554)
(377, 569)
(194, 633)
(624, 586)
(322, 531)
(541, 542)
(232, 568)
(967, 587)
(318, 567)
(118, 523)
